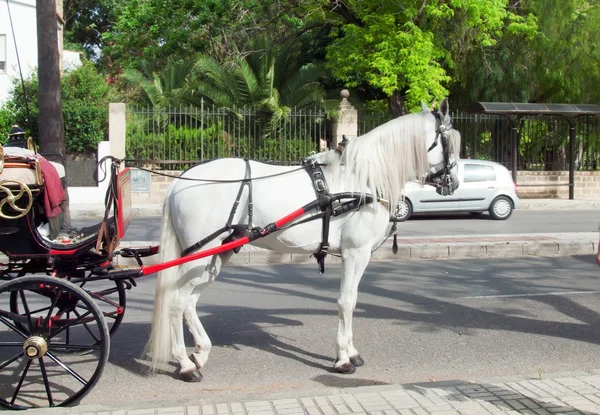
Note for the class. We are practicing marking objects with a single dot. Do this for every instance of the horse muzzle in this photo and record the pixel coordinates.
(444, 184)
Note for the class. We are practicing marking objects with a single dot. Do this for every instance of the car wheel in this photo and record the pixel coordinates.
(403, 210)
(501, 208)
(475, 213)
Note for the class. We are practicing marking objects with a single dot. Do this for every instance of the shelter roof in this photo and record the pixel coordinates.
(520, 109)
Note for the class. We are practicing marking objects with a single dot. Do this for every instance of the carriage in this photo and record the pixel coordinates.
(62, 298)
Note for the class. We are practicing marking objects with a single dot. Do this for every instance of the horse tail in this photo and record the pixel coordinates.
(159, 346)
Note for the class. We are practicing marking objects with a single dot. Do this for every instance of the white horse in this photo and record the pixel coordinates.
(377, 163)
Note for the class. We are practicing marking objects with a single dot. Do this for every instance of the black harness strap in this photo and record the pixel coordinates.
(324, 202)
(247, 181)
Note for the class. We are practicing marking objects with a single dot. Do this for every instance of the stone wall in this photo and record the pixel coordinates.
(554, 184)
(531, 185)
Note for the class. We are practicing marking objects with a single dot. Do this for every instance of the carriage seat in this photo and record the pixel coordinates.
(16, 163)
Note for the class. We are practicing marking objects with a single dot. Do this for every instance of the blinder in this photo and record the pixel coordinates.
(442, 179)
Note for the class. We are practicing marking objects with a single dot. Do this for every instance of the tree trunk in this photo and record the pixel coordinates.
(51, 129)
(396, 104)
(50, 121)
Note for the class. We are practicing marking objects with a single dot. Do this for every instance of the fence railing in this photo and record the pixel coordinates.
(176, 138)
(542, 142)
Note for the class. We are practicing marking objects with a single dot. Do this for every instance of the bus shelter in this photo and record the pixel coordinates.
(514, 112)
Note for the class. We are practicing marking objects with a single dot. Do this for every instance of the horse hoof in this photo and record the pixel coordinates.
(191, 376)
(357, 361)
(346, 368)
(193, 359)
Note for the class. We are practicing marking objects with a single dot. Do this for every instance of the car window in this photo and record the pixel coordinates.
(479, 173)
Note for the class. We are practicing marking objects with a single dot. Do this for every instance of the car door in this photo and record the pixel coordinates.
(477, 186)
(424, 198)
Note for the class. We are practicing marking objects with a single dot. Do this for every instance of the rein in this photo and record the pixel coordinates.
(441, 179)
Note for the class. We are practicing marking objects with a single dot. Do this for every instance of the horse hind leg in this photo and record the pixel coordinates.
(201, 339)
(191, 293)
(187, 368)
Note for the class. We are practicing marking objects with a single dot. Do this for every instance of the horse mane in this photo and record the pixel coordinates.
(381, 161)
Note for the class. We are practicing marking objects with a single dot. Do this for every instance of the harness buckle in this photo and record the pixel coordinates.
(320, 185)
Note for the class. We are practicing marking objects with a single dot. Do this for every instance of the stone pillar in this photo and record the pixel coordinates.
(116, 129)
(347, 121)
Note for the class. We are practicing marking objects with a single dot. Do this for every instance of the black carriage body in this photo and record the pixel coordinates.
(21, 240)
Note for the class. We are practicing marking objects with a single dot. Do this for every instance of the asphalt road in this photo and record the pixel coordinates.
(524, 221)
(273, 328)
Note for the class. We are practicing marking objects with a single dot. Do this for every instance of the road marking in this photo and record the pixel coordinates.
(532, 295)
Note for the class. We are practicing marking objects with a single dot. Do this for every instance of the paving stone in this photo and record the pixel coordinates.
(313, 410)
(236, 407)
(222, 408)
(355, 407)
(341, 409)
(192, 410)
(308, 402)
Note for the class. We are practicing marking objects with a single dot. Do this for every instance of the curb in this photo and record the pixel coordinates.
(80, 211)
(411, 249)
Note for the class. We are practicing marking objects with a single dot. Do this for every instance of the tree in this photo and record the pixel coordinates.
(86, 21)
(85, 98)
(405, 48)
(269, 78)
(559, 63)
(51, 129)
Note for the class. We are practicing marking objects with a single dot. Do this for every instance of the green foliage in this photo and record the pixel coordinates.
(160, 31)
(268, 79)
(403, 46)
(195, 144)
(85, 107)
(6, 120)
(558, 63)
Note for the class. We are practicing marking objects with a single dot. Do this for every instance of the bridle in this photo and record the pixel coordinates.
(442, 179)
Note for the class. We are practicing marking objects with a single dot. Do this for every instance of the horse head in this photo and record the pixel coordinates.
(443, 152)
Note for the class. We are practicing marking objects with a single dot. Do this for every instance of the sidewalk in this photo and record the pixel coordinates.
(568, 393)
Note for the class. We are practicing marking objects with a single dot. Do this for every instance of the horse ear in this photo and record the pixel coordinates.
(424, 107)
(445, 107)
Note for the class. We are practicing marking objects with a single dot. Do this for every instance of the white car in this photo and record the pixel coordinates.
(485, 186)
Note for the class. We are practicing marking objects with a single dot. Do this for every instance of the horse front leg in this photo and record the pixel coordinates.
(354, 263)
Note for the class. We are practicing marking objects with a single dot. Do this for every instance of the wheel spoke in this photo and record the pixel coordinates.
(68, 333)
(46, 382)
(27, 312)
(100, 294)
(48, 316)
(8, 362)
(69, 324)
(87, 328)
(11, 344)
(12, 401)
(66, 368)
(75, 346)
(12, 327)
(39, 310)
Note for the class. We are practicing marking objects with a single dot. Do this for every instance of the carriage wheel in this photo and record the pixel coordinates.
(37, 365)
(111, 297)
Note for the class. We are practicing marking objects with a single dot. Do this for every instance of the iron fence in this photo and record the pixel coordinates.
(176, 138)
(542, 142)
